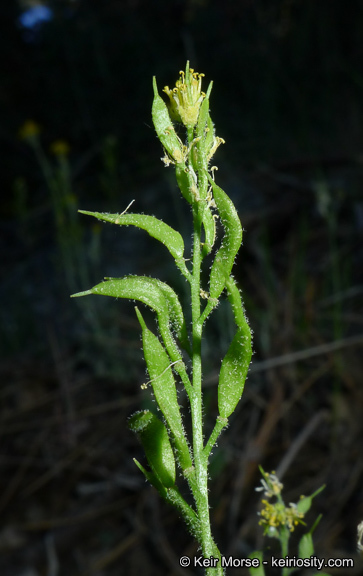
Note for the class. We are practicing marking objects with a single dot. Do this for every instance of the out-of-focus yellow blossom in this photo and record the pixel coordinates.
(186, 97)
(29, 130)
(60, 148)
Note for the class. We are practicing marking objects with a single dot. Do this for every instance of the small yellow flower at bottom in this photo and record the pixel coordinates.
(60, 148)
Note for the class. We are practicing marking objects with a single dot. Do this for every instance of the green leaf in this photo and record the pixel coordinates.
(152, 292)
(234, 297)
(224, 259)
(233, 373)
(171, 239)
(259, 570)
(163, 384)
(155, 441)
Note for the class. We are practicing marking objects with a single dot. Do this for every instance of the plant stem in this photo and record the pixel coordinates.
(200, 459)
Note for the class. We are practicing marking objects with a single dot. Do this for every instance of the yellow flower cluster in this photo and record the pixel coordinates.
(186, 97)
(275, 515)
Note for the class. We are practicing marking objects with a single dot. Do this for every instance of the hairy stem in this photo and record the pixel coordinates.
(200, 458)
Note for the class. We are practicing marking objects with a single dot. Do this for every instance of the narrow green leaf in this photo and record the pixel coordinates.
(152, 292)
(156, 228)
(233, 372)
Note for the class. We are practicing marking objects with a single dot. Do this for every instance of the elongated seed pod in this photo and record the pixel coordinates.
(209, 226)
(155, 441)
(224, 260)
(165, 129)
(186, 183)
(163, 384)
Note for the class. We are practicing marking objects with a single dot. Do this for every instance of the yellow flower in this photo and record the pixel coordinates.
(276, 515)
(29, 130)
(60, 148)
(186, 97)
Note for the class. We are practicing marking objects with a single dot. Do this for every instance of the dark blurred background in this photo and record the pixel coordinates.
(76, 132)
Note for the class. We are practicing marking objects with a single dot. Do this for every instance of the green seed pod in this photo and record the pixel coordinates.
(305, 503)
(155, 441)
(163, 384)
(210, 135)
(306, 546)
(233, 372)
(171, 239)
(165, 129)
(186, 183)
(223, 262)
(209, 226)
(202, 161)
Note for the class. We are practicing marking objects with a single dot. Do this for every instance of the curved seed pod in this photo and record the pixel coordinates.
(171, 239)
(165, 129)
(223, 262)
(233, 372)
(163, 383)
(155, 441)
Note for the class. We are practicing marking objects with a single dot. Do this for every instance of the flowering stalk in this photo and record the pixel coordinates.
(279, 521)
(166, 443)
